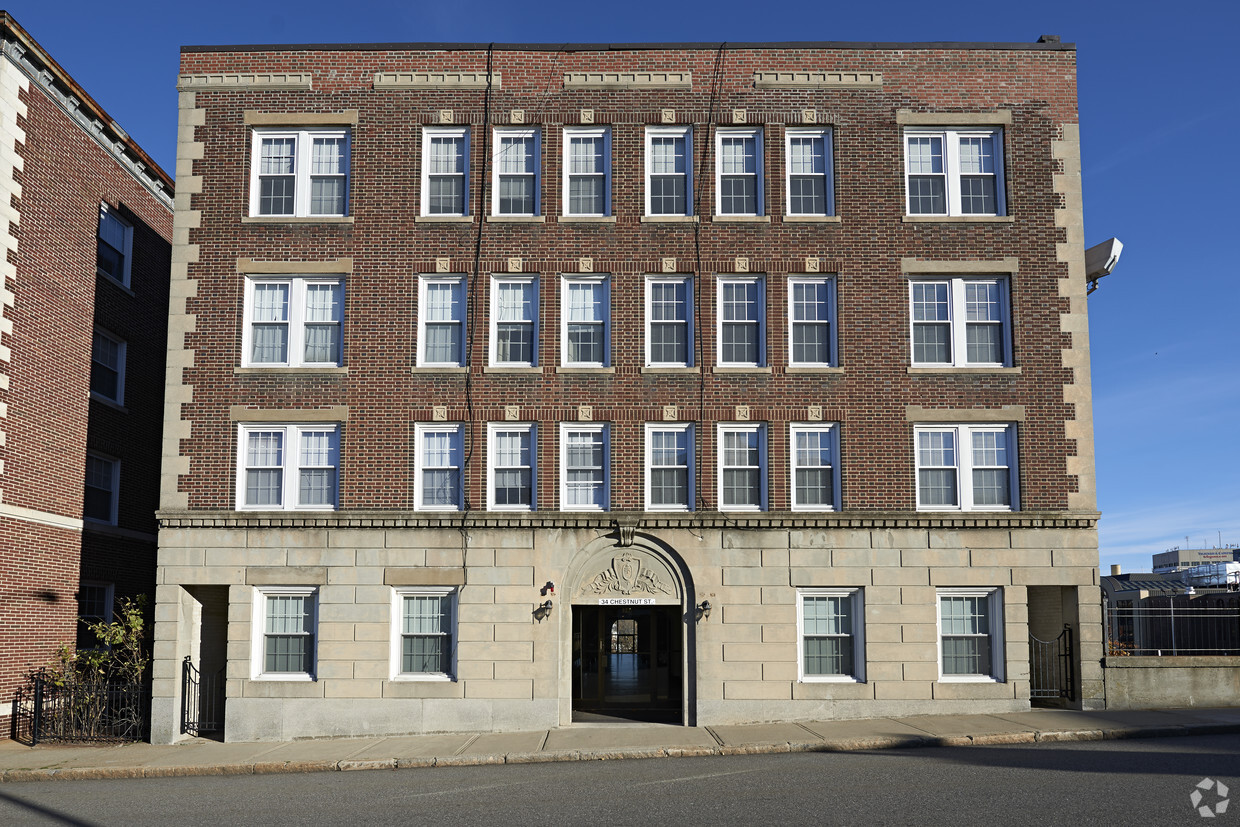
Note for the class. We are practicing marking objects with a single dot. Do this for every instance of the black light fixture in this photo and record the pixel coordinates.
(543, 611)
(703, 610)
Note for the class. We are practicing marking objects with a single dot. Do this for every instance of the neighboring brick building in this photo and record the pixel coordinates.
(454, 325)
(83, 332)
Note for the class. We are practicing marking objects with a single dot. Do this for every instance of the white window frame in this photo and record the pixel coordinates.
(723, 133)
(950, 137)
(963, 436)
(114, 479)
(119, 368)
(759, 323)
(531, 431)
(828, 174)
(108, 215)
(258, 636)
(461, 286)
(998, 658)
(832, 329)
(763, 466)
(686, 134)
(522, 132)
(603, 432)
(296, 321)
(687, 281)
(493, 337)
(856, 599)
(302, 170)
(429, 132)
(290, 488)
(87, 640)
(688, 430)
(571, 132)
(452, 595)
(456, 432)
(567, 282)
(108, 600)
(958, 320)
(830, 432)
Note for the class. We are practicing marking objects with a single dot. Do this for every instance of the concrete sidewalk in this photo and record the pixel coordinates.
(595, 742)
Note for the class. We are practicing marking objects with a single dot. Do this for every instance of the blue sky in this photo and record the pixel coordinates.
(1159, 118)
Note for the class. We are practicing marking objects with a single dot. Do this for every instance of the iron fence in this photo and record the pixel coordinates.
(1181, 625)
(49, 711)
(1051, 667)
(202, 700)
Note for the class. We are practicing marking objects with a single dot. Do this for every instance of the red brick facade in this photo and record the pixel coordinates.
(386, 394)
(62, 178)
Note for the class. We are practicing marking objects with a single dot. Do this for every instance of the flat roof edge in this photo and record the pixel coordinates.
(629, 47)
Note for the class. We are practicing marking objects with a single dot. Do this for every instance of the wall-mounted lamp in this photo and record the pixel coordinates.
(543, 612)
(703, 610)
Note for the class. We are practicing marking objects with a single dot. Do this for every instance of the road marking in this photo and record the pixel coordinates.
(695, 777)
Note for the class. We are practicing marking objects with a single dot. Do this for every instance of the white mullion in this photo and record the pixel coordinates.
(303, 150)
(297, 313)
(958, 321)
(951, 171)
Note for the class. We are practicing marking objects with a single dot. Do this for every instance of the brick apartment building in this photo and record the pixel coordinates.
(83, 332)
(517, 385)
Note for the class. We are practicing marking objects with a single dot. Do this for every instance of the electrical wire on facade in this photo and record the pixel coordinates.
(715, 88)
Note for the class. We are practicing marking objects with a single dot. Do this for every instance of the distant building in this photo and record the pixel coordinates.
(1178, 559)
(83, 327)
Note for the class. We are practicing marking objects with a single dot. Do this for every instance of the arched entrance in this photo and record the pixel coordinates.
(631, 633)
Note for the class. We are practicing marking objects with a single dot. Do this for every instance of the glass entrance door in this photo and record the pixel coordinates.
(627, 662)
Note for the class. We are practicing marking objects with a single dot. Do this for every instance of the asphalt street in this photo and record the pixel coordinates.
(1131, 782)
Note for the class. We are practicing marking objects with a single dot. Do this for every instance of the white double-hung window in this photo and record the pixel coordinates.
(512, 466)
(288, 467)
(738, 172)
(107, 367)
(742, 466)
(441, 321)
(114, 252)
(808, 172)
(445, 170)
(516, 170)
(514, 321)
(971, 634)
(300, 173)
(286, 626)
(587, 171)
(424, 637)
(815, 466)
(585, 465)
(101, 498)
(585, 320)
(438, 456)
(811, 321)
(831, 623)
(669, 170)
(292, 321)
(669, 321)
(741, 320)
(954, 172)
(960, 322)
(669, 466)
(966, 467)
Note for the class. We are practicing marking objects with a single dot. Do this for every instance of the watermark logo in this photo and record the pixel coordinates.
(1199, 795)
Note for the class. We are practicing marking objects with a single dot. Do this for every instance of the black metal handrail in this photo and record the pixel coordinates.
(202, 700)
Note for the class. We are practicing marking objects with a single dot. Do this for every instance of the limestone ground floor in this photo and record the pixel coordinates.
(275, 628)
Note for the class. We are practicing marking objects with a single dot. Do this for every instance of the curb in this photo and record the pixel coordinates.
(559, 756)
